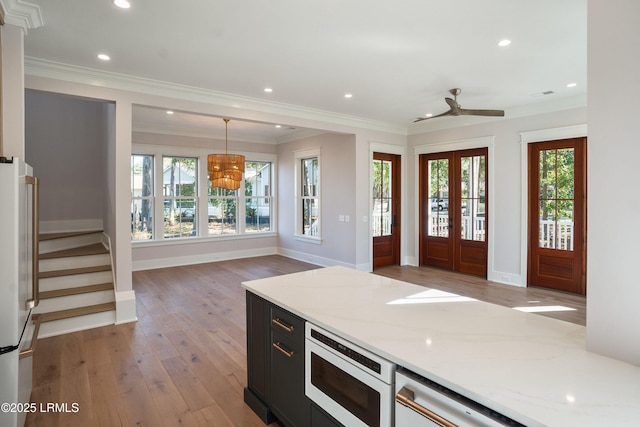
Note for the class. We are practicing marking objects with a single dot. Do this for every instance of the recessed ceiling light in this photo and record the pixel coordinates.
(268, 89)
(572, 84)
(104, 57)
(428, 115)
(503, 43)
(278, 126)
(123, 4)
(348, 95)
(169, 112)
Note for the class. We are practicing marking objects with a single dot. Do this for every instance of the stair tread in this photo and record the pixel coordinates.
(73, 271)
(52, 236)
(80, 311)
(75, 291)
(95, 249)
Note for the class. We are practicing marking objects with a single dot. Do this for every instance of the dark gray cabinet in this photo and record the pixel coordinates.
(275, 364)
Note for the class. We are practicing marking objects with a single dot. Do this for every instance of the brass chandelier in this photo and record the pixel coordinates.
(225, 170)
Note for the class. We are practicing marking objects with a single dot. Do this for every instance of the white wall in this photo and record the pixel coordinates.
(613, 149)
(65, 139)
(505, 217)
(338, 188)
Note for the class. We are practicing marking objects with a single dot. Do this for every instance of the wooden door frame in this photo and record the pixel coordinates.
(551, 134)
(580, 211)
(487, 142)
(456, 245)
(399, 150)
(396, 209)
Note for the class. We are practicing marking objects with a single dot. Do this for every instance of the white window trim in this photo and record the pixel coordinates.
(299, 155)
(160, 151)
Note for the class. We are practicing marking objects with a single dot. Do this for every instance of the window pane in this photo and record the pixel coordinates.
(222, 215)
(565, 173)
(258, 214)
(179, 219)
(547, 174)
(310, 177)
(257, 179)
(142, 219)
(142, 197)
(141, 176)
(310, 217)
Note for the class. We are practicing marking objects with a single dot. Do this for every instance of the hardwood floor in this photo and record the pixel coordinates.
(184, 361)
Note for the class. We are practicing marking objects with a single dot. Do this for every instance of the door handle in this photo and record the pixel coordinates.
(35, 247)
(278, 346)
(406, 398)
(395, 220)
(283, 325)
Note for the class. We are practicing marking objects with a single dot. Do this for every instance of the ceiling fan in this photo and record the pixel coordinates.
(456, 110)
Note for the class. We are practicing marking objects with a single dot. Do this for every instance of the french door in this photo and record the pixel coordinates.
(557, 215)
(453, 213)
(385, 217)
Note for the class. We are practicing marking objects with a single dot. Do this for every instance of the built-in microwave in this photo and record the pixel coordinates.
(353, 385)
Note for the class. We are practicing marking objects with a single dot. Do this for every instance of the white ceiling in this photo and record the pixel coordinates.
(398, 59)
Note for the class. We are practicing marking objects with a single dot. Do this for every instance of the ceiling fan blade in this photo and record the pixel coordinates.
(446, 113)
(493, 113)
(452, 104)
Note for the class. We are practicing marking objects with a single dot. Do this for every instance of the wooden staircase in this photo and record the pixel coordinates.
(76, 283)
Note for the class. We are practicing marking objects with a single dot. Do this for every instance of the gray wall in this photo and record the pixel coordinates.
(65, 140)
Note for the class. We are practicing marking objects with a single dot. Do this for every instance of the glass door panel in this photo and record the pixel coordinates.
(382, 198)
(556, 195)
(473, 193)
(438, 171)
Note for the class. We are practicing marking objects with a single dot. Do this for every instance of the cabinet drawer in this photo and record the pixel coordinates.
(288, 324)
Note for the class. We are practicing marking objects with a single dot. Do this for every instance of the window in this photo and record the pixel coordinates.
(184, 206)
(141, 197)
(308, 193)
(179, 178)
(257, 190)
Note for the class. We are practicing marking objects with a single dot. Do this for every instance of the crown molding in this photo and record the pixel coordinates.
(551, 106)
(21, 14)
(77, 74)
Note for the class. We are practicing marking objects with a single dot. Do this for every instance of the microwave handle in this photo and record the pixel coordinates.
(35, 239)
(406, 398)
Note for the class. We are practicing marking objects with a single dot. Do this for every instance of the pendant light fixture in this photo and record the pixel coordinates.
(225, 170)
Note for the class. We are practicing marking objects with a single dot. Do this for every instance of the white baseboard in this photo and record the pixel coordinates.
(125, 307)
(314, 259)
(70, 226)
(201, 259)
(506, 278)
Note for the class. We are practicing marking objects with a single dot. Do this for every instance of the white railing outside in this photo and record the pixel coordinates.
(556, 234)
(472, 228)
(381, 223)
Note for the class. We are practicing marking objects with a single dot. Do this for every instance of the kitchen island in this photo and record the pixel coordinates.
(531, 368)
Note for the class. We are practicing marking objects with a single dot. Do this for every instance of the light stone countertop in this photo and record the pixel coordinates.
(531, 368)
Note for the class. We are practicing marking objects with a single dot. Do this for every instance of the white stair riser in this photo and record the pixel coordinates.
(70, 242)
(74, 262)
(75, 301)
(73, 324)
(75, 281)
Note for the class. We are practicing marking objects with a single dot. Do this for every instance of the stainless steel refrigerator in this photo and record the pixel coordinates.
(18, 287)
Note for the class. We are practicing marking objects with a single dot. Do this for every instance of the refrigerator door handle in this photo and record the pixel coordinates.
(35, 297)
(37, 319)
